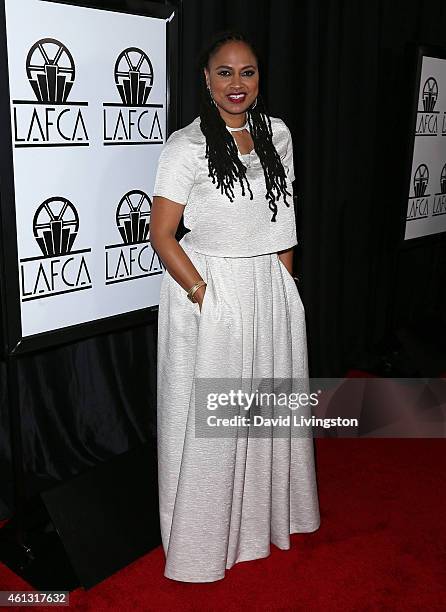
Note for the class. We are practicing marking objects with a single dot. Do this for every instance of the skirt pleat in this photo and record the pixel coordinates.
(226, 499)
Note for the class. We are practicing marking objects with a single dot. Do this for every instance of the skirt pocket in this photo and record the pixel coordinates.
(291, 283)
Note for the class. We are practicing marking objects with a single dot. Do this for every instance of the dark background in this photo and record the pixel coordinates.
(336, 72)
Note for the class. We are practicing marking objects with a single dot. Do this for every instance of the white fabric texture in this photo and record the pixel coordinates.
(224, 500)
(240, 228)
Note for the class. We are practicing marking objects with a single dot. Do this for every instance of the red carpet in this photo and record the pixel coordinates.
(381, 545)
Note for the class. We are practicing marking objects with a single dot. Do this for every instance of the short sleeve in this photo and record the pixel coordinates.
(288, 160)
(175, 174)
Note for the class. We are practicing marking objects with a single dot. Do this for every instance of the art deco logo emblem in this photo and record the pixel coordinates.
(133, 76)
(50, 69)
(420, 180)
(439, 202)
(443, 180)
(430, 94)
(56, 224)
(133, 217)
(134, 257)
(51, 119)
(133, 120)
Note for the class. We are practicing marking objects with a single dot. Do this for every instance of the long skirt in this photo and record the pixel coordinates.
(224, 498)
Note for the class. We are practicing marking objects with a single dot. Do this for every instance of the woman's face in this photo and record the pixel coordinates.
(233, 77)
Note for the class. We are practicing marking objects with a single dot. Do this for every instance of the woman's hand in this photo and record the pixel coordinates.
(199, 295)
(164, 219)
(286, 257)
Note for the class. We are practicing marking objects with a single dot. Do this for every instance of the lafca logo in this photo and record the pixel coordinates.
(133, 76)
(134, 257)
(430, 94)
(59, 269)
(133, 120)
(439, 203)
(419, 203)
(50, 69)
(427, 117)
(50, 120)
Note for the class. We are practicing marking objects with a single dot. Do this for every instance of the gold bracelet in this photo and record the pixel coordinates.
(190, 293)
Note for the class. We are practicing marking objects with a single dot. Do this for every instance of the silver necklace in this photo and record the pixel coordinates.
(239, 129)
(247, 159)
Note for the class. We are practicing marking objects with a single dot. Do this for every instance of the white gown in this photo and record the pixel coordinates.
(225, 499)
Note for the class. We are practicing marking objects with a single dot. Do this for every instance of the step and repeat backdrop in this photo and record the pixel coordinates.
(89, 99)
(426, 210)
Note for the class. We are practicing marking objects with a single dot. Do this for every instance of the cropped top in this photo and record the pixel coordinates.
(219, 227)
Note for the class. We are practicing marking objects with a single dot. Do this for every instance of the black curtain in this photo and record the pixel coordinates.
(334, 70)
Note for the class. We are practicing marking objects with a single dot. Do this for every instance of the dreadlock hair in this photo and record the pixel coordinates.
(225, 166)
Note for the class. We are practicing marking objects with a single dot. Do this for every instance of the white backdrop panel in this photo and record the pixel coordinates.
(426, 212)
(73, 285)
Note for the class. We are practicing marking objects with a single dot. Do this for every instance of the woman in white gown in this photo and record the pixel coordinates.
(223, 497)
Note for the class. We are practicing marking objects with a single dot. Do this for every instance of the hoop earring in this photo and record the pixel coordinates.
(254, 105)
(210, 95)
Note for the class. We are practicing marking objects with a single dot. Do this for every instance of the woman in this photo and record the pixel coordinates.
(224, 498)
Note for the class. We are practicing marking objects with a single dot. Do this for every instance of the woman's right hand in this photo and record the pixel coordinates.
(199, 295)
(164, 219)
